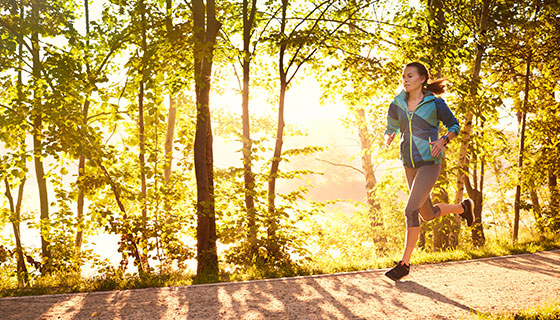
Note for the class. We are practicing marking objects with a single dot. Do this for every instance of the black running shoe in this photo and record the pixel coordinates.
(398, 272)
(468, 211)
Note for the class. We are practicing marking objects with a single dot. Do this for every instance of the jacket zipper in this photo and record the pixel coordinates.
(410, 129)
(410, 132)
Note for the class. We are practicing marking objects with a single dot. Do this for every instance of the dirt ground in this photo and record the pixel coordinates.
(453, 290)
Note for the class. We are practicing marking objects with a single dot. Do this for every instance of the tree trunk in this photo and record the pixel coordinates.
(446, 229)
(537, 213)
(171, 120)
(272, 214)
(367, 166)
(521, 149)
(172, 114)
(465, 134)
(205, 32)
(477, 232)
(474, 191)
(22, 275)
(37, 143)
(554, 191)
(142, 137)
(248, 176)
(82, 161)
(128, 237)
(373, 207)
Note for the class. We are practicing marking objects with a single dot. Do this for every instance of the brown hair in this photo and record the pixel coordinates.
(436, 86)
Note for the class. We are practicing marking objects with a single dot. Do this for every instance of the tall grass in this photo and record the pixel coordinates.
(549, 311)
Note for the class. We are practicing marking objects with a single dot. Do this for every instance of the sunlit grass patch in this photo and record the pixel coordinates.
(493, 248)
(549, 311)
(73, 282)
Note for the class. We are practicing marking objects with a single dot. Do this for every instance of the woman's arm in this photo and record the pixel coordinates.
(450, 122)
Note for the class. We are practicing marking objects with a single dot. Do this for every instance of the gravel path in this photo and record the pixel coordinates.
(439, 291)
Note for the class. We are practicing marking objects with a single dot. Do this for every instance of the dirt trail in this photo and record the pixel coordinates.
(439, 291)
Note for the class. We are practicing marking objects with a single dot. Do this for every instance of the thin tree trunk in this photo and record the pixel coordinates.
(22, 275)
(521, 149)
(365, 144)
(142, 142)
(172, 114)
(127, 237)
(248, 176)
(37, 143)
(272, 214)
(553, 189)
(367, 166)
(475, 193)
(535, 200)
(82, 161)
(465, 134)
(206, 29)
(171, 120)
(478, 229)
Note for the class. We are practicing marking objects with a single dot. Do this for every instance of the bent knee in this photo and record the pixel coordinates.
(428, 215)
(412, 218)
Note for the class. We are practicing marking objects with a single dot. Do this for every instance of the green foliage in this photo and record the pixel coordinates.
(290, 217)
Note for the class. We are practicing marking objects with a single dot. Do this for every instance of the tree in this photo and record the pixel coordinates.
(248, 176)
(295, 48)
(521, 60)
(37, 119)
(206, 28)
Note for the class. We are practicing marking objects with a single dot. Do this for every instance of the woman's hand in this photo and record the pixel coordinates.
(437, 146)
(389, 138)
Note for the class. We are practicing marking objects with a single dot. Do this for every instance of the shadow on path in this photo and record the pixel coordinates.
(529, 262)
(416, 288)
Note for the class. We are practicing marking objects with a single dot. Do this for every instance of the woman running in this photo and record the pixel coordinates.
(416, 114)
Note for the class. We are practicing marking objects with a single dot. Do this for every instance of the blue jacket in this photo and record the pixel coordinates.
(419, 128)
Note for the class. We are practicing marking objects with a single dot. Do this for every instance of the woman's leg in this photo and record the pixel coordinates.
(420, 181)
(449, 208)
(412, 234)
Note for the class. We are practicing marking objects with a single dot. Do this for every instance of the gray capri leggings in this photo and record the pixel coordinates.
(420, 183)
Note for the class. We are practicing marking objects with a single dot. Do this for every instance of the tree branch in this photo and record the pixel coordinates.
(341, 165)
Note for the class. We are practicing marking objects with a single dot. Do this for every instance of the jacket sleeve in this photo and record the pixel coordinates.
(446, 116)
(392, 120)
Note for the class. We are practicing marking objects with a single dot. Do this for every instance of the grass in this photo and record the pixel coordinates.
(549, 311)
(493, 248)
(69, 283)
(73, 282)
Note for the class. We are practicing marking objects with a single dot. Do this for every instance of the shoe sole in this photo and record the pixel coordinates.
(472, 212)
(395, 279)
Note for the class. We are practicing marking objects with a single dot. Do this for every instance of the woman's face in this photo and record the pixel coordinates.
(412, 80)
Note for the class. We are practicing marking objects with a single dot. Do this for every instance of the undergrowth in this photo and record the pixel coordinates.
(113, 280)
